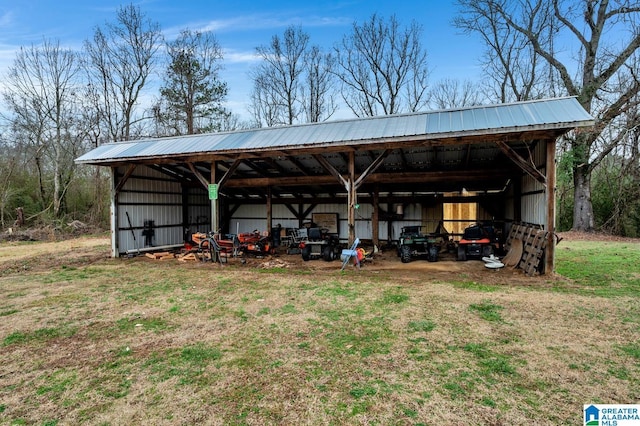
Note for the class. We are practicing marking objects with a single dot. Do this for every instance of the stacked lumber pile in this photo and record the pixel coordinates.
(194, 256)
(188, 257)
(182, 257)
(163, 255)
(274, 263)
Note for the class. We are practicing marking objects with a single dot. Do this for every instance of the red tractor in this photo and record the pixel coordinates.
(478, 241)
(255, 243)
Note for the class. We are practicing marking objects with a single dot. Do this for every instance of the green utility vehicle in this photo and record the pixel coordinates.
(417, 242)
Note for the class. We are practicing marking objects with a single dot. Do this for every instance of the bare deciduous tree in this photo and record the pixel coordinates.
(382, 68)
(41, 94)
(278, 79)
(604, 36)
(121, 57)
(9, 164)
(514, 70)
(263, 107)
(319, 91)
(451, 93)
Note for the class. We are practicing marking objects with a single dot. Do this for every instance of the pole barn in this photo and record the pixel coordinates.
(366, 177)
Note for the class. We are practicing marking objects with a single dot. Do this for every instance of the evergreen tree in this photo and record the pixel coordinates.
(192, 94)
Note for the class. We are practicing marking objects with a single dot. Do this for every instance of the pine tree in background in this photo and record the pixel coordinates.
(192, 93)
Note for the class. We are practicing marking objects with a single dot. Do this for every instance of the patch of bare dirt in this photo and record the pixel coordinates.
(594, 236)
(50, 233)
(21, 256)
(388, 265)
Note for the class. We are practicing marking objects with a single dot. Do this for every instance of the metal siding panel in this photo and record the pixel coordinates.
(288, 223)
(151, 204)
(529, 184)
(248, 225)
(280, 210)
(251, 211)
(540, 154)
(383, 231)
(199, 212)
(332, 208)
(509, 210)
(413, 212)
(365, 211)
(362, 229)
(534, 209)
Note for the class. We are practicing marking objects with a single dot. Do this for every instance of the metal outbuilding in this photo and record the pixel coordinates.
(375, 174)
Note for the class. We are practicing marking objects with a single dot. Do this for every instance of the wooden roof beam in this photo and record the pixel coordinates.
(403, 159)
(255, 168)
(372, 167)
(298, 165)
(329, 168)
(229, 173)
(525, 165)
(125, 178)
(204, 182)
(402, 177)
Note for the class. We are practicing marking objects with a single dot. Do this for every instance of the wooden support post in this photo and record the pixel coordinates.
(214, 203)
(353, 197)
(115, 239)
(186, 225)
(375, 234)
(300, 215)
(549, 266)
(269, 212)
(390, 223)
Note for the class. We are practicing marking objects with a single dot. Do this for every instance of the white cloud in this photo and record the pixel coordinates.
(232, 56)
(262, 22)
(6, 19)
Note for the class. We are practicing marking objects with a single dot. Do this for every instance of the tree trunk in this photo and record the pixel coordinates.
(19, 218)
(582, 207)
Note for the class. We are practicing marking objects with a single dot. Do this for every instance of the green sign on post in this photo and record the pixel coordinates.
(213, 191)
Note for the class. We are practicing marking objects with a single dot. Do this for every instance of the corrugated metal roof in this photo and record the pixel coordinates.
(548, 114)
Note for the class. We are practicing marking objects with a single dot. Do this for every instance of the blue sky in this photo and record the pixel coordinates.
(240, 26)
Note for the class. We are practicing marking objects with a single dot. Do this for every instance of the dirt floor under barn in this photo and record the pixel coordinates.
(15, 257)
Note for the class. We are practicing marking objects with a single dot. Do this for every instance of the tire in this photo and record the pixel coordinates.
(462, 253)
(306, 253)
(206, 246)
(327, 253)
(487, 251)
(433, 254)
(405, 254)
(337, 252)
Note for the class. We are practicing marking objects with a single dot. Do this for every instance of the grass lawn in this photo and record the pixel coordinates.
(85, 339)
